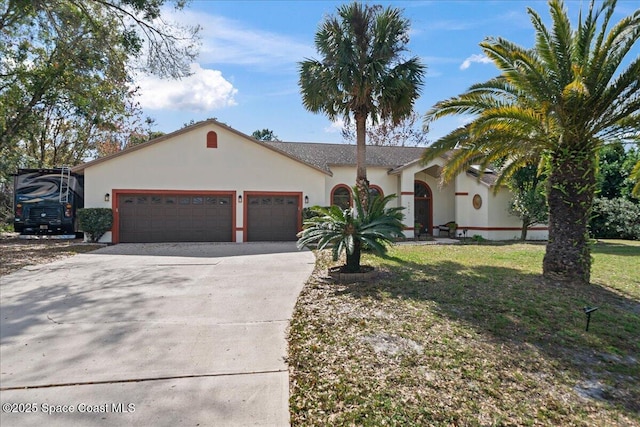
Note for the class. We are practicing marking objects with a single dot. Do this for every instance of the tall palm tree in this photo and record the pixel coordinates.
(560, 101)
(362, 74)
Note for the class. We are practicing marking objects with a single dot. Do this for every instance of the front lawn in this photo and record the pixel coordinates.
(469, 335)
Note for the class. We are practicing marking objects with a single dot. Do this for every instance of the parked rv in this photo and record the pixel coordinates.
(46, 201)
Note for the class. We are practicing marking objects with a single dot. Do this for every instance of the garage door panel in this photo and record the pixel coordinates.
(175, 218)
(272, 218)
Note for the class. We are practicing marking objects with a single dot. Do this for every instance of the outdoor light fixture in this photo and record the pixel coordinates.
(588, 310)
(306, 200)
(240, 198)
(106, 197)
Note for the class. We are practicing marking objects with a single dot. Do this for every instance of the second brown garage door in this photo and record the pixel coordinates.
(175, 218)
(272, 218)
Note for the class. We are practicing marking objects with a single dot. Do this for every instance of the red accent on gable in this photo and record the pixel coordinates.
(212, 139)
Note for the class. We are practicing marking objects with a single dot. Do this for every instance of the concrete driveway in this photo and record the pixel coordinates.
(151, 334)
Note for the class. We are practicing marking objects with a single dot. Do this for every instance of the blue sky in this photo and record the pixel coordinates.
(247, 73)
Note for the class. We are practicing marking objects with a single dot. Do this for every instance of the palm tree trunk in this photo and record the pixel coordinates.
(353, 260)
(570, 196)
(361, 159)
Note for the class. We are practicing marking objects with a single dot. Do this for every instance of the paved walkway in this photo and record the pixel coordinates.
(171, 334)
(435, 241)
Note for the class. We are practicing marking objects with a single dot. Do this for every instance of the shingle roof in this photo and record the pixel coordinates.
(325, 155)
(489, 177)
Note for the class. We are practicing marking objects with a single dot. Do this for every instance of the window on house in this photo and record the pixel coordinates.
(421, 190)
(341, 196)
(374, 191)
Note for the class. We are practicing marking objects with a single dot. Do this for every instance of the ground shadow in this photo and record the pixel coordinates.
(520, 309)
(71, 319)
(198, 250)
(615, 248)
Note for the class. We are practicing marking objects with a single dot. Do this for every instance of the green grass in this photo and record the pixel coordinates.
(469, 335)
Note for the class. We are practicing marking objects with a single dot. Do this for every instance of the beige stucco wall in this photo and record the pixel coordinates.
(183, 162)
(476, 221)
(492, 220)
(501, 218)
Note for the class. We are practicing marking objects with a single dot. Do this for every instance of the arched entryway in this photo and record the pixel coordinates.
(423, 207)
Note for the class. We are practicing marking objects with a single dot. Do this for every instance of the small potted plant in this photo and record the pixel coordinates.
(452, 228)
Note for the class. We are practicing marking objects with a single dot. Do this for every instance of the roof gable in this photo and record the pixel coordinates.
(80, 168)
(319, 156)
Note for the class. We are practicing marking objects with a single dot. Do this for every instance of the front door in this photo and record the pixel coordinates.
(421, 215)
(423, 209)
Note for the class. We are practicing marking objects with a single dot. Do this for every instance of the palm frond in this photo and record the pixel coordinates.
(340, 229)
(362, 71)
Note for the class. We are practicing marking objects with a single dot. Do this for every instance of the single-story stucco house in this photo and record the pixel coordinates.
(209, 182)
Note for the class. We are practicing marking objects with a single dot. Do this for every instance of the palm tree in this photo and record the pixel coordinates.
(362, 72)
(560, 101)
(349, 230)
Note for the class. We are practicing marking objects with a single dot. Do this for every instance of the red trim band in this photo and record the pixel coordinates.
(460, 227)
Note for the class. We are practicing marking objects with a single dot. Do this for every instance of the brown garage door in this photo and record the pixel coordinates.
(272, 218)
(175, 218)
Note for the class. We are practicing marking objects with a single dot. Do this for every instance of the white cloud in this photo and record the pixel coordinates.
(202, 91)
(335, 126)
(226, 41)
(481, 59)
